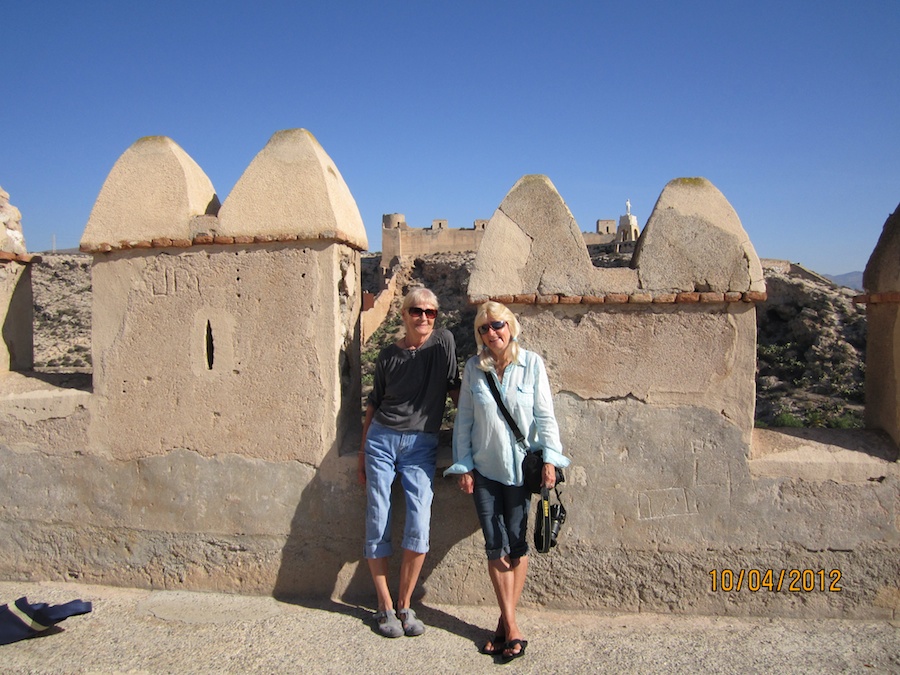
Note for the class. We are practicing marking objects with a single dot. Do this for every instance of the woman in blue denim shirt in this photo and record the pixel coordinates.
(489, 461)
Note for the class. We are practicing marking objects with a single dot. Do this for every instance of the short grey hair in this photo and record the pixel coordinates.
(417, 296)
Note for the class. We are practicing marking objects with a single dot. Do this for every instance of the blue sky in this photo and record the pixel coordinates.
(435, 110)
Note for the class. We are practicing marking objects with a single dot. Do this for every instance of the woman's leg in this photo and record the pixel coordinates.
(516, 502)
(378, 568)
(381, 448)
(410, 568)
(416, 465)
(503, 579)
(492, 502)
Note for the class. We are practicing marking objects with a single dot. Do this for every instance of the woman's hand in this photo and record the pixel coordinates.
(361, 467)
(467, 483)
(548, 476)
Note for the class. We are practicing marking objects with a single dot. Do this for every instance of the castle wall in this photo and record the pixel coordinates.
(226, 380)
(396, 242)
(16, 300)
(881, 281)
(217, 447)
(653, 377)
(229, 376)
(398, 239)
(16, 315)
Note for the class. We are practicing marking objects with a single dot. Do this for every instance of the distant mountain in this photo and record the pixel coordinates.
(850, 279)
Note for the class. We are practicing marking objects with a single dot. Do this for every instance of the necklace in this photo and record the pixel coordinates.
(409, 347)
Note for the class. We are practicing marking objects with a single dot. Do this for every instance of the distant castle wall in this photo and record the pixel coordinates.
(217, 446)
(398, 239)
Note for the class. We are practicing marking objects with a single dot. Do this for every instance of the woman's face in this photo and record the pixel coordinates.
(496, 339)
(417, 322)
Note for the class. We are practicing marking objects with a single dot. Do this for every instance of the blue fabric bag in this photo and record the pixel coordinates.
(21, 619)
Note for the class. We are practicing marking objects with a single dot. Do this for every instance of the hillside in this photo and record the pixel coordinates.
(62, 312)
(811, 342)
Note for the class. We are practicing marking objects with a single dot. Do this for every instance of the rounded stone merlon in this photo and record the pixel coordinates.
(153, 191)
(882, 271)
(293, 188)
(532, 244)
(694, 242)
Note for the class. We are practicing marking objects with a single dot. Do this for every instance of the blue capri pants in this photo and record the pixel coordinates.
(412, 455)
(503, 514)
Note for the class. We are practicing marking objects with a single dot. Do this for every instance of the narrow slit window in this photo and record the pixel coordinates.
(210, 348)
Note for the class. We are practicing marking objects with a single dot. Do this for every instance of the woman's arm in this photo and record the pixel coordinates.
(463, 426)
(361, 455)
(545, 421)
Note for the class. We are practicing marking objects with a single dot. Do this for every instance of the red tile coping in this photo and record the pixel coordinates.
(637, 298)
(207, 239)
(24, 258)
(877, 298)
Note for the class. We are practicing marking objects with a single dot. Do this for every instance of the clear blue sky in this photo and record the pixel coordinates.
(435, 110)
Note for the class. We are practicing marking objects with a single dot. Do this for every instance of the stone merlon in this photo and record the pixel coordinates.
(693, 243)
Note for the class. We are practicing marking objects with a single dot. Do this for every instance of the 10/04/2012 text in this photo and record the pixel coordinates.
(793, 581)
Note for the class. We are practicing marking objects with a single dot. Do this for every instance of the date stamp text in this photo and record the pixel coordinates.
(794, 581)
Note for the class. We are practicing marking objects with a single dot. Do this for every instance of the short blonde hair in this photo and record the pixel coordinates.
(499, 312)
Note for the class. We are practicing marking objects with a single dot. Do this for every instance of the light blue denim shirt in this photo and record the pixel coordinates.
(482, 439)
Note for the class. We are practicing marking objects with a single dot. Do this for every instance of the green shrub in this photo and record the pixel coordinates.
(786, 419)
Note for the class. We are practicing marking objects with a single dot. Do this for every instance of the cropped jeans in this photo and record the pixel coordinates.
(412, 455)
(503, 514)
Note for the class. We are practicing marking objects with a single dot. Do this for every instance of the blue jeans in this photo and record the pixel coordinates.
(412, 455)
(503, 514)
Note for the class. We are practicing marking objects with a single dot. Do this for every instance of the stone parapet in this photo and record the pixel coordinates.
(156, 197)
(693, 249)
(216, 446)
(881, 281)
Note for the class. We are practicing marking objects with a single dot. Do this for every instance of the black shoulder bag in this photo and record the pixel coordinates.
(549, 518)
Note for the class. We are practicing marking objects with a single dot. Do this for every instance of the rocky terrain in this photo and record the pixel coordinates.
(811, 351)
(61, 285)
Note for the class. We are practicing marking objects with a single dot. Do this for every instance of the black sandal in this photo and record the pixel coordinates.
(511, 645)
(498, 642)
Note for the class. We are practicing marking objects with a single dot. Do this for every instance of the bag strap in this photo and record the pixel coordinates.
(509, 420)
(544, 516)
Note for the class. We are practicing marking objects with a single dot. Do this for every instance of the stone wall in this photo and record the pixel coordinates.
(653, 373)
(208, 452)
(16, 301)
(226, 378)
(398, 239)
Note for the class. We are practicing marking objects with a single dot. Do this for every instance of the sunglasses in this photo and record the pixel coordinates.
(418, 311)
(495, 325)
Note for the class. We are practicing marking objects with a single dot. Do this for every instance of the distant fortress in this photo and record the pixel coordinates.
(398, 239)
